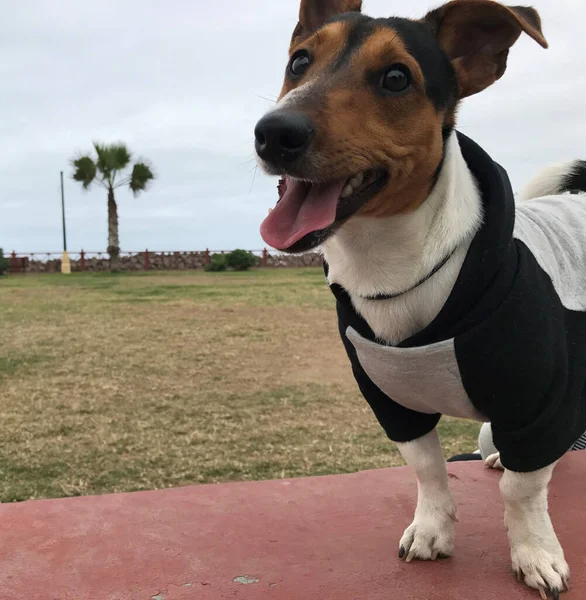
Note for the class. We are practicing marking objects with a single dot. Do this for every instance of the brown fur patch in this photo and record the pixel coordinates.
(359, 128)
(490, 21)
(324, 45)
(314, 13)
(477, 35)
(407, 129)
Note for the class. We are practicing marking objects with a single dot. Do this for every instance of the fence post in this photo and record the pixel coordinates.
(265, 257)
(82, 259)
(13, 263)
(147, 260)
(207, 257)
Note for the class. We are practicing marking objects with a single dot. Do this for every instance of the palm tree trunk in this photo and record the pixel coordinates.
(113, 242)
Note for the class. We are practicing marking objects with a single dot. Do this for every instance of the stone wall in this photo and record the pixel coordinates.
(313, 259)
(162, 261)
(52, 265)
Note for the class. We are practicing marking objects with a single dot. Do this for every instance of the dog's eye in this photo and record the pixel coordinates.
(396, 79)
(300, 62)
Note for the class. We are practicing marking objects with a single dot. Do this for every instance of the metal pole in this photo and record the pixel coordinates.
(65, 262)
(63, 214)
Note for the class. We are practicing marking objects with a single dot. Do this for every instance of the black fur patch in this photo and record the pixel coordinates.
(362, 28)
(440, 79)
(576, 180)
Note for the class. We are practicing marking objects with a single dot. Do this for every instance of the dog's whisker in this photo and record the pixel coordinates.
(247, 161)
(253, 179)
(271, 100)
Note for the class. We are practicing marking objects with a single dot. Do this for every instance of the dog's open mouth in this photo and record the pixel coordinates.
(307, 212)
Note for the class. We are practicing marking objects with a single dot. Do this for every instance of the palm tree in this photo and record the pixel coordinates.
(107, 170)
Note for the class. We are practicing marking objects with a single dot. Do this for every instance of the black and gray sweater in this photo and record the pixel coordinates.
(509, 345)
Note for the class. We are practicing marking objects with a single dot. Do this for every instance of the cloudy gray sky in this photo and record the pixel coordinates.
(180, 81)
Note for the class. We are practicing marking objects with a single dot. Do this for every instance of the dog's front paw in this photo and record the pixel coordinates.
(430, 536)
(494, 462)
(542, 569)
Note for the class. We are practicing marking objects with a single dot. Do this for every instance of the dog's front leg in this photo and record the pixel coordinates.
(431, 535)
(537, 556)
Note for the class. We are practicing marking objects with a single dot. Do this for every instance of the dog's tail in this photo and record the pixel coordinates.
(557, 179)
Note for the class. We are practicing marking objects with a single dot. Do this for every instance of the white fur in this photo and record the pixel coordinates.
(548, 182)
(372, 256)
(295, 95)
(431, 534)
(536, 553)
(494, 462)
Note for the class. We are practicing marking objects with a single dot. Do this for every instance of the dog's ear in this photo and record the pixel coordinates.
(477, 35)
(314, 13)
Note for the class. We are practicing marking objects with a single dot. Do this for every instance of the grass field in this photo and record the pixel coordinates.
(128, 382)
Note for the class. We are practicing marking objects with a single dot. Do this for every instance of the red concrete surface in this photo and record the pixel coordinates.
(308, 539)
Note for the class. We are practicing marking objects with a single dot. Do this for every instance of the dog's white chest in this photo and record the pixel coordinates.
(425, 379)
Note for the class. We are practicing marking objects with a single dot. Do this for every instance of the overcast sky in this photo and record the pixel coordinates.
(181, 82)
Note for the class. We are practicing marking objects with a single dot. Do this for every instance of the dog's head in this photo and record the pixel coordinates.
(367, 105)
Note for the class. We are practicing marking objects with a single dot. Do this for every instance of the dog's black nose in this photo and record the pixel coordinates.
(282, 136)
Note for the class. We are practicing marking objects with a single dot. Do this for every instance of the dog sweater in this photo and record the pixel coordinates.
(508, 346)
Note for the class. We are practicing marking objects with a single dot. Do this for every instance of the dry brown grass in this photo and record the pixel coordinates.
(112, 383)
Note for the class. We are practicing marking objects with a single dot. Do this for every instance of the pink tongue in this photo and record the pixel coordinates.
(303, 209)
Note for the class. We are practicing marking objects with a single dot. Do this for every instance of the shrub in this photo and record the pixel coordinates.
(218, 262)
(3, 262)
(241, 260)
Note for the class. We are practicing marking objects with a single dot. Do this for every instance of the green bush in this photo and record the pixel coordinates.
(218, 262)
(3, 262)
(241, 260)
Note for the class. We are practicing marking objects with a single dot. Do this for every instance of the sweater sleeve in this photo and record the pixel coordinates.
(524, 367)
(400, 424)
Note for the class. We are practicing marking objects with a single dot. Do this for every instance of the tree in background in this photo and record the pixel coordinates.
(109, 170)
(237, 260)
(241, 260)
(3, 262)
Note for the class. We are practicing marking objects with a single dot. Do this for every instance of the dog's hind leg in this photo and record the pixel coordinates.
(537, 556)
(431, 535)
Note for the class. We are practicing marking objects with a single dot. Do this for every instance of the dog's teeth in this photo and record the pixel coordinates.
(347, 191)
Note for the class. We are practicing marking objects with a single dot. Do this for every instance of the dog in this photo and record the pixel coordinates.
(453, 297)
